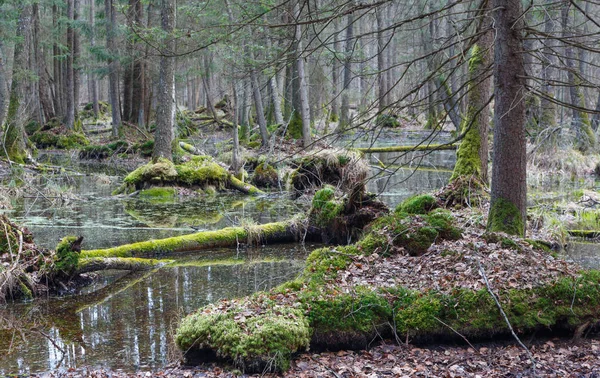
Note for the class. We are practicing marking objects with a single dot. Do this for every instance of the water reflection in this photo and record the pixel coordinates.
(128, 323)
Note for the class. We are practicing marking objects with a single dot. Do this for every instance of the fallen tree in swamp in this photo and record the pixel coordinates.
(415, 275)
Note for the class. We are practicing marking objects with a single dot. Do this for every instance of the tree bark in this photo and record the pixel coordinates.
(76, 59)
(260, 113)
(113, 66)
(163, 139)
(382, 85)
(580, 120)
(508, 206)
(133, 76)
(345, 108)
(69, 118)
(472, 155)
(58, 98)
(3, 84)
(303, 83)
(40, 58)
(335, 73)
(92, 77)
(13, 140)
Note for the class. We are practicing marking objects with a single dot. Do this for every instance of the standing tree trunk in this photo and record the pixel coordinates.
(508, 206)
(40, 58)
(345, 109)
(113, 66)
(133, 75)
(13, 140)
(69, 79)
(92, 77)
(472, 154)
(260, 114)
(3, 83)
(164, 137)
(335, 72)
(581, 122)
(59, 103)
(302, 84)
(547, 117)
(382, 85)
(76, 58)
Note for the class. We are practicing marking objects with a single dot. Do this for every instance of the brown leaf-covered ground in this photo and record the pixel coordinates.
(553, 358)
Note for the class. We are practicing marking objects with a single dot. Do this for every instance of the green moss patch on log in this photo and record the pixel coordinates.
(132, 264)
(262, 341)
(199, 172)
(227, 237)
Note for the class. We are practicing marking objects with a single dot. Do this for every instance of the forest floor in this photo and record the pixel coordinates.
(553, 358)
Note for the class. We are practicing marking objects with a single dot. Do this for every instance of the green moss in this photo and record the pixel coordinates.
(145, 149)
(253, 343)
(67, 258)
(201, 171)
(387, 120)
(324, 263)
(325, 207)
(419, 204)
(265, 177)
(226, 237)
(505, 217)
(159, 193)
(360, 312)
(294, 129)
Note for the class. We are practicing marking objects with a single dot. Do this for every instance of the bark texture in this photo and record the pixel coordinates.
(509, 188)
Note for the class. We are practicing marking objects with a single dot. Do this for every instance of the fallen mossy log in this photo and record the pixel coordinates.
(94, 264)
(98, 131)
(190, 149)
(280, 232)
(587, 234)
(424, 147)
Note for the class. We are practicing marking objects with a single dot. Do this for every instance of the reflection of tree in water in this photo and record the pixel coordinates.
(172, 215)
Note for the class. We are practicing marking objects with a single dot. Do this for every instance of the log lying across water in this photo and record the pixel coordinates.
(423, 147)
(588, 234)
(131, 264)
(270, 233)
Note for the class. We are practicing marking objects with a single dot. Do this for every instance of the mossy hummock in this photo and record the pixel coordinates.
(199, 172)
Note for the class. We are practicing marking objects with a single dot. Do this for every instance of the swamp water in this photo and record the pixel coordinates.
(126, 321)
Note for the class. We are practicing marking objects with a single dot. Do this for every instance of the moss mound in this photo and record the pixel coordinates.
(198, 172)
(67, 255)
(56, 135)
(105, 150)
(419, 204)
(387, 120)
(342, 218)
(262, 340)
(265, 177)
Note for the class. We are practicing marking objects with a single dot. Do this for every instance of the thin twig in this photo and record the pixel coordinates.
(489, 288)
(458, 333)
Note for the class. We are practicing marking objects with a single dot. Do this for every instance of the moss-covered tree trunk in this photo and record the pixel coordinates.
(472, 154)
(14, 132)
(509, 188)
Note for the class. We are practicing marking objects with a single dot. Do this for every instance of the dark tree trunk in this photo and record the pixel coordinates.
(133, 76)
(345, 109)
(165, 110)
(69, 118)
(40, 58)
(508, 206)
(580, 120)
(58, 98)
(13, 140)
(3, 84)
(382, 86)
(92, 77)
(335, 73)
(76, 58)
(113, 66)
